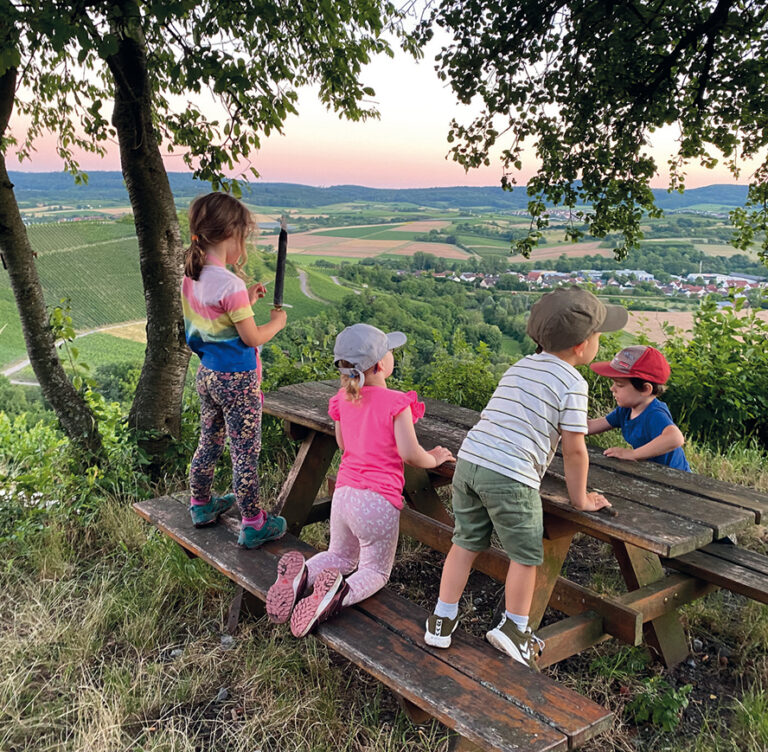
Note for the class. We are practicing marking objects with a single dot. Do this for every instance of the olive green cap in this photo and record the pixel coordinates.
(569, 315)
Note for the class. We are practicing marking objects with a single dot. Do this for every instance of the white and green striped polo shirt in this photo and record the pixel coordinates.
(519, 428)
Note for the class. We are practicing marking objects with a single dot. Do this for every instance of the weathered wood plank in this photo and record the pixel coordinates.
(619, 620)
(574, 715)
(461, 703)
(738, 555)
(722, 518)
(656, 531)
(727, 574)
(700, 485)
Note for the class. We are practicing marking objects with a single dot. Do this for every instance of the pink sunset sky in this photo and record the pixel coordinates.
(406, 148)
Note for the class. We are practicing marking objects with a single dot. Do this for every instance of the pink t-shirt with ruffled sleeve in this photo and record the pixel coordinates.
(370, 460)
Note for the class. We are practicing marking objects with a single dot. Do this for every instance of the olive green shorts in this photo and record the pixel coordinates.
(484, 501)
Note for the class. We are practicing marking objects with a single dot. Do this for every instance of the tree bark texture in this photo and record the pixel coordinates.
(75, 416)
(156, 410)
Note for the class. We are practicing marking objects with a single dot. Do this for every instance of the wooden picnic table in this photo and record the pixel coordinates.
(664, 518)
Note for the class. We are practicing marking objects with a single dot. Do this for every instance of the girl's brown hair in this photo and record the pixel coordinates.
(213, 218)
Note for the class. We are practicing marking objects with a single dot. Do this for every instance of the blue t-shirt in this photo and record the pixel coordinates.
(645, 427)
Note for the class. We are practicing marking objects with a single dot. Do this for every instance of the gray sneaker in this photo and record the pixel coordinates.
(524, 646)
(439, 631)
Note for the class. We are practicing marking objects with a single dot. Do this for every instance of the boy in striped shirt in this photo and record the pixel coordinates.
(539, 400)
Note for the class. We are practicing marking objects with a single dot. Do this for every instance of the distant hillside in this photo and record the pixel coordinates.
(58, 187)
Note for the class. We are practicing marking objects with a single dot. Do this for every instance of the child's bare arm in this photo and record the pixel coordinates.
(576, 464)
(337, 431)
(598, 425)
(254, 335)
(667, 441)
(408, 446)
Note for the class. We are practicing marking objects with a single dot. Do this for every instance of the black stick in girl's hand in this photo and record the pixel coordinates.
(282, 252)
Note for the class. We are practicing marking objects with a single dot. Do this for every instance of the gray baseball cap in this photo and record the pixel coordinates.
(568, 315)
(364, 345)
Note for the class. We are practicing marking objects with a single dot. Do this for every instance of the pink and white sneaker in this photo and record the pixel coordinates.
(325, 601)
(288, 588)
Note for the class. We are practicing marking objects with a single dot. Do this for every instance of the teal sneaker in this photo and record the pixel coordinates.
(273, 528)
(207, 514)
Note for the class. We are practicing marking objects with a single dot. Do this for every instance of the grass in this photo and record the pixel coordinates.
(112, 640)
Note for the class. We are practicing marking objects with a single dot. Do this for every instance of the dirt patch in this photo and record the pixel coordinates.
(134, 332)
(571, 250)
(426, 225)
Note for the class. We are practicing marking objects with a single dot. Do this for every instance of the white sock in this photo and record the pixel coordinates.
(521, 622)
(446, 610)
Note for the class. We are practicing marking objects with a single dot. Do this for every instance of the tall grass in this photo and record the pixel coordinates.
(110, 639)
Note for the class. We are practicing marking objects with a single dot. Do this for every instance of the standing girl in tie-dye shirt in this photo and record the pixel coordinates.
(219, 326)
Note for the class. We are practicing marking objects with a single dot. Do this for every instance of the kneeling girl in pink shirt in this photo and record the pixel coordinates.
(374, 430)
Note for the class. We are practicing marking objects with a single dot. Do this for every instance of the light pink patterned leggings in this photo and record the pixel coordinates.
(364, 530)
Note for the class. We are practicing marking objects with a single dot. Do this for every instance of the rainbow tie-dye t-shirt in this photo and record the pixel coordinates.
(212, 305)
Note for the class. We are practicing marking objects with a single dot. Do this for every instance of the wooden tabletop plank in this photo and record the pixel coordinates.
(460, 702)
(724, 519)
(700, 485)
(650, 529)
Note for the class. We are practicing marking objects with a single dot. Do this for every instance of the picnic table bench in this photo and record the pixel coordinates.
(666, 520)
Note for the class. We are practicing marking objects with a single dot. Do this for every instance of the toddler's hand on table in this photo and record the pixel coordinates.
(441, 454)
(621, 453)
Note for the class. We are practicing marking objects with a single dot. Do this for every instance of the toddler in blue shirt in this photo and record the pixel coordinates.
(639, 373)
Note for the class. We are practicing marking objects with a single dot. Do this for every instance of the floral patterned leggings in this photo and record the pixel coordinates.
(364, 531)
(230, 405)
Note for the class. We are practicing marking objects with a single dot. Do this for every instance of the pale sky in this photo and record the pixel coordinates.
(406, 148)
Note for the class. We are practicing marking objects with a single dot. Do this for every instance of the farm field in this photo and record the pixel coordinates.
(367, 241)
(651, 323)
(94, 264)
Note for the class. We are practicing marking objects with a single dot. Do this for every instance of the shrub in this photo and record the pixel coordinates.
(719, 382)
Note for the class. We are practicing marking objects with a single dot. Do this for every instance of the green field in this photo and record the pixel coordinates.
(70, 236)
(370, 233)
(96, 350)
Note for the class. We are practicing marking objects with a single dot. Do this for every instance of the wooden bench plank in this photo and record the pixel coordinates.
(729, 574)
(574, 715)
(737, 555)
(471, 709)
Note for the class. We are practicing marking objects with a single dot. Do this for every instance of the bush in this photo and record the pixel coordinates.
(719, 382)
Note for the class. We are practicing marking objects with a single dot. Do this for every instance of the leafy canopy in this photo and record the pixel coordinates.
(249, 58)
(589, 81)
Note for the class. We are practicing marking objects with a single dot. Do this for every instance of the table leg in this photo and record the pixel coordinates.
(305, 478)
(421, 495)
(664, 634)
(557, 541)
(244, 603)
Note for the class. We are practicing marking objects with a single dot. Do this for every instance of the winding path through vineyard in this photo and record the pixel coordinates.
(20, 365)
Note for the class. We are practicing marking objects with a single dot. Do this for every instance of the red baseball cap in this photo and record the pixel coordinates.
(635, 362)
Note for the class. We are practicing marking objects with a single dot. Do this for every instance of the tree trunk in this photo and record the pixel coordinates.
(156, 410)
(76, 417)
